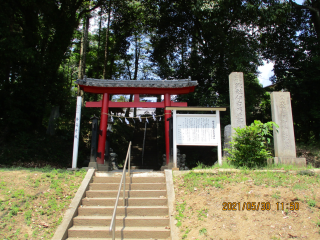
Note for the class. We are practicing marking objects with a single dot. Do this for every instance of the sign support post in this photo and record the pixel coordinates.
(219, 138)
(76, 133)
(174, 139)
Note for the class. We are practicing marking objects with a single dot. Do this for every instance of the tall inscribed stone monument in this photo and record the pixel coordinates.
(284, 141)
(237, 103)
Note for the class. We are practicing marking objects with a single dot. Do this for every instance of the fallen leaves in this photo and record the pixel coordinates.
(44, 224)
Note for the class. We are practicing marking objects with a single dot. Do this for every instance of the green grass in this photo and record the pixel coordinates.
(203, 231)
(180, 207)
(276, 195)
(311, 203)
(202, 213)
(41, 196)
(195, 180)
(226, 165)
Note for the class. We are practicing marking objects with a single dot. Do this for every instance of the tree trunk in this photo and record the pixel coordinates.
(53, 116)
(99, 43)
(136, 68)
(106, 46)
(83, 50)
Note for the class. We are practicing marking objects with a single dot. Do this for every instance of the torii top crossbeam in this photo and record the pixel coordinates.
(136, 87)
(173, 87)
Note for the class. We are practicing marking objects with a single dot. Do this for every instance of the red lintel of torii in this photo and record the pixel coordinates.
(137, 104)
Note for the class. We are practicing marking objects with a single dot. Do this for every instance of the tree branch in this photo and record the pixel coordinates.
(85, 10)
(316, 11)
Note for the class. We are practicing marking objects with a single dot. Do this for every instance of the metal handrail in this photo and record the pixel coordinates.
(113, 222)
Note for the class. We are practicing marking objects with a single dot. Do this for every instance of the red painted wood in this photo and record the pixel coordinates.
(136, 104)
(167, 115)
(139, 90)
(103, 128)
(94, 104)
(136, 98)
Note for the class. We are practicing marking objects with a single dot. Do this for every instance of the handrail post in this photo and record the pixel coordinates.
(123, 180)
(124, 186)
(129, 167)
(114, 231)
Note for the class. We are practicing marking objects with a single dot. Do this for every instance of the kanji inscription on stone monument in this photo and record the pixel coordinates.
(237, 103)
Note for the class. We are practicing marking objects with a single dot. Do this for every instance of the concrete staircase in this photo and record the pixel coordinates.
(144, 216)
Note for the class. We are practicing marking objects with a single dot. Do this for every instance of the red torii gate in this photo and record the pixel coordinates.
(136, 87)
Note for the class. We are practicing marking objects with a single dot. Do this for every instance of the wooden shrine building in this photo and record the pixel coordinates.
(136, 87)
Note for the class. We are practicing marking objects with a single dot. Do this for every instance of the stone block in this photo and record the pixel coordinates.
(237, 101)
(284, 141)
(290, 161)
(163, 168)
(104, 167)
(72, 169)
(169, 166)
(93, 165)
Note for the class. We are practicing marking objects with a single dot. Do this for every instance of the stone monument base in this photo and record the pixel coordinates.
(169, 166)
(104, 167)
(72, 169)
(288, 161)
(93, 165)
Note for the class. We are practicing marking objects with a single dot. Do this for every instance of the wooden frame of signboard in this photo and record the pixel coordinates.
(195, 129)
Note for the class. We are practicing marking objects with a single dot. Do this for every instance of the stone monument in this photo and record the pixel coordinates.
(284, 141)
(237, 103)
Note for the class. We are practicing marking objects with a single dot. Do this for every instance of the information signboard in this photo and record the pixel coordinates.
(196, 130)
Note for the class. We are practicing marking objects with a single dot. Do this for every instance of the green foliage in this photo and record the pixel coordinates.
(180, 207)
(311, 203)
(203, 231)
(251, 145)
(206, 40)
(292, 43)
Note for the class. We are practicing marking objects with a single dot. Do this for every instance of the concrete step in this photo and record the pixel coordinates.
(121, 210)
(129, 221)
(131, 179)
(129, 193)
(77, 238)
(127, 232)
(143, 167)
(129, 202)
(129, 186)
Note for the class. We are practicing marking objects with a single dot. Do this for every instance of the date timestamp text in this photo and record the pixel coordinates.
(258, 206)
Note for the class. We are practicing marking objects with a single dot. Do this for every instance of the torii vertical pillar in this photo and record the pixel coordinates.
(103, 128)
(167, 114)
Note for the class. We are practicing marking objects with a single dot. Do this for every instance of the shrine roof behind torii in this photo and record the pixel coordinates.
(180, 86)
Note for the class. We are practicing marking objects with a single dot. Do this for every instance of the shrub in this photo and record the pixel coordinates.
(251, 145)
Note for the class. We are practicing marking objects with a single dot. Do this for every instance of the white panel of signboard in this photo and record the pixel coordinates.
(197, 129)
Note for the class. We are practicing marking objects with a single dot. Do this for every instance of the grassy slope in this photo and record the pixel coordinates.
(33, 201)
(200, 197)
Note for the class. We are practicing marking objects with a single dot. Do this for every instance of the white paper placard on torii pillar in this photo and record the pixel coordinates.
(196, 129)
